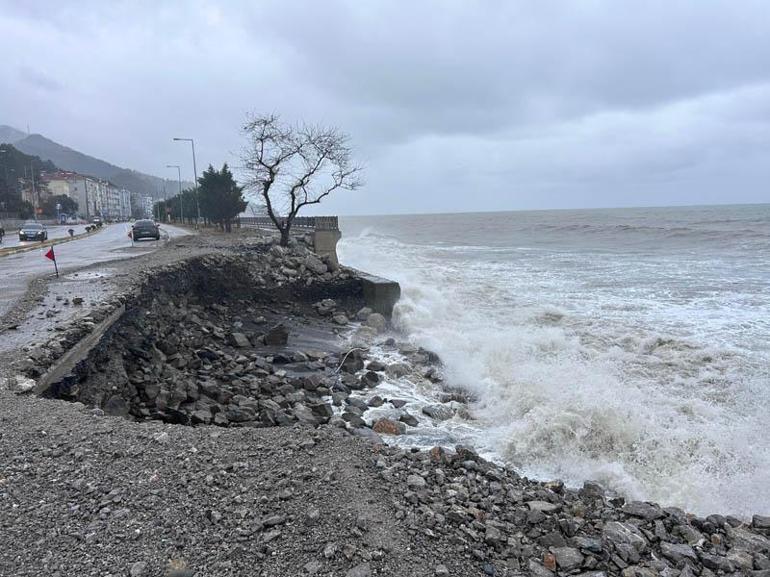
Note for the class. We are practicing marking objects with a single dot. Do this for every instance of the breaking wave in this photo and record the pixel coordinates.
(649, 376)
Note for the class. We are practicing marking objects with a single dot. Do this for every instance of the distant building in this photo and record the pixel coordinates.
(110, 201)
(141, 206)
(32, 192)
(148, 203)
(125, 204)
(95, 197)
(82, 189)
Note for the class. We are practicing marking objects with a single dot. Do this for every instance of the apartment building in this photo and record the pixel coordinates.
(95, 197)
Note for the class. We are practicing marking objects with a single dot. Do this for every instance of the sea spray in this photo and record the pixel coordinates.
(634, 364)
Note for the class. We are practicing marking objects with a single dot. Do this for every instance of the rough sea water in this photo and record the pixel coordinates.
(628, 346)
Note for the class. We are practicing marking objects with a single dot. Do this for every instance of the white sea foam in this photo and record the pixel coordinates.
(591, 366)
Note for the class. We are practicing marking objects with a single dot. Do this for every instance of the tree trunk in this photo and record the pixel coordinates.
(285, 236)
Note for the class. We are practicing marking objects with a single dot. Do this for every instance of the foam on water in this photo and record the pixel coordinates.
(647, 372)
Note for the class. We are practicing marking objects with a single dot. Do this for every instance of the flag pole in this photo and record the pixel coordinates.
(51, 255)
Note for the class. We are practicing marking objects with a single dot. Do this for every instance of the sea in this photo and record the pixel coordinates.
(625, 346)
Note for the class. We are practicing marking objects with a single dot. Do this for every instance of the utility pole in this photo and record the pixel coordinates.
(179, 176)
(195, 172)
(6, 189)
(85, 195)
(35, 197)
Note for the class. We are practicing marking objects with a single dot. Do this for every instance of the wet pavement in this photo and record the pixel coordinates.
(72, 297)
(16, 271)
(11, 238)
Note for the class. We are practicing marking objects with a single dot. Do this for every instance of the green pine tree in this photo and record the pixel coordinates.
(220, 197)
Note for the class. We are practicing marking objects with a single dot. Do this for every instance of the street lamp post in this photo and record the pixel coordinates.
(35, 195)
(179, 176)
(5, 166)
(195, 172)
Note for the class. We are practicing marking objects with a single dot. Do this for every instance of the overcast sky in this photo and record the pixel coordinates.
(452, 105)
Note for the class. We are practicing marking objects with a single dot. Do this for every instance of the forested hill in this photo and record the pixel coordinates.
(68, 159)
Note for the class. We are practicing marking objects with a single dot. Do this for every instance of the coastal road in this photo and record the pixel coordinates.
(12, 237)
(17, 270)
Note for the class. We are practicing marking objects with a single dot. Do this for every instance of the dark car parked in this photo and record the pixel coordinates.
(33, 231)
(145, 229)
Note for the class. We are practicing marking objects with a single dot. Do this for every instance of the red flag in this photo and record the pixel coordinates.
(51, 256)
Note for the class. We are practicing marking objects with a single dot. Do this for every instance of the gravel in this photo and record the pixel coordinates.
(86, 494)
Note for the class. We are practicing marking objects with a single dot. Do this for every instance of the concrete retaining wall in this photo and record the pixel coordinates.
(380, 294)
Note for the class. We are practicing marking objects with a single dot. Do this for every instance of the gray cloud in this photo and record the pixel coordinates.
(38, 79)
(453, 106)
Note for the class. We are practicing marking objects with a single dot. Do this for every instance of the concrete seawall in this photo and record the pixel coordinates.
(380, 294)
(323, 234)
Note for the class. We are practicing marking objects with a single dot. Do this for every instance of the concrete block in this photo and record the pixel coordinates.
(380, 294)
(325, 243)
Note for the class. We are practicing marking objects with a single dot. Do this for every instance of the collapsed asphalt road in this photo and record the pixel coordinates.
(17, 270)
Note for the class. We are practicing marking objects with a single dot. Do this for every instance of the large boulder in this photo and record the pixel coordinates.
(644, 510)
(305, 415)
(676, 552)
(325, 307)
(353, 362)
(116, 406)
(370, 379)
(315, 265)
(619, 533)
(363, 314)
(238, 340)
(438, 412)
(340, 319)
(389, 427)
(409, 419)
(398, 369)
(278, 336)
(744, 538)
(376, 321)
(567, 558)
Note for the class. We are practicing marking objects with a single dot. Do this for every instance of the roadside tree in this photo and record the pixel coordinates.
(221, 199)
(68, 206)
(293, 166)
(178, 206)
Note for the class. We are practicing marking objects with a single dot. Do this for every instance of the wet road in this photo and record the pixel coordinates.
(12, 237)
(113, 243)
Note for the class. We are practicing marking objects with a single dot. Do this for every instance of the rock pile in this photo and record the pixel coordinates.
(204, 343)
(513, 526)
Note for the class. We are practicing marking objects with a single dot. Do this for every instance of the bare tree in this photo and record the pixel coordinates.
(293, 166)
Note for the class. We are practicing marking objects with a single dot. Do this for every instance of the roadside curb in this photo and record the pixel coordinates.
(18, 249)
(67, 362)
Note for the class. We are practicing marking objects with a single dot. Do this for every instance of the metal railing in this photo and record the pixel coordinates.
(300, 222)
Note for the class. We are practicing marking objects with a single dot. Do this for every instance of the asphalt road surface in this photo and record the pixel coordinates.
(11, 238)
(111, 243)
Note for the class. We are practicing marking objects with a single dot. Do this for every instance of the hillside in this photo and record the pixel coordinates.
(15, 166)
(70, 159)
(9, 135)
